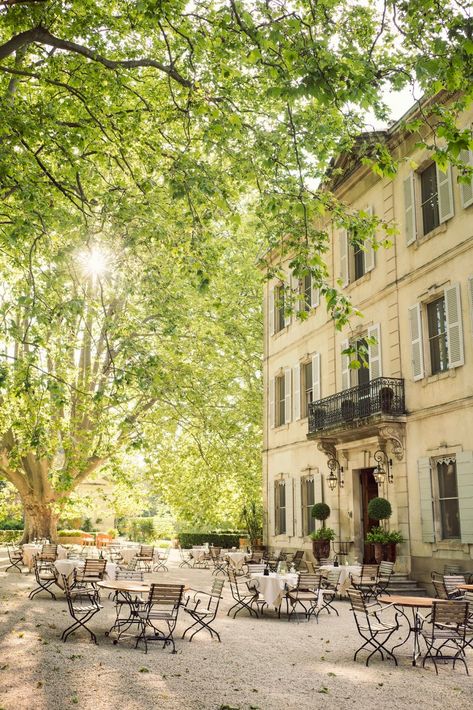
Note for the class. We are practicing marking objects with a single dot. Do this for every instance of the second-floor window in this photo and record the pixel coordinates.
(306, 380)
(437, 326)
(279, 309)
(280, 508)
(280, 400)
(429, 199)
(445, 490)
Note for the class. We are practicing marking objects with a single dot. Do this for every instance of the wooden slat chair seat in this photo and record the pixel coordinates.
(451, 582)
(83, 604)
(161, 559)
(375, 632)
(385, 572)
(92, 573)
(160, 610)
(202, 607)
(186, 559)
(243, 595)
(15, 555)
(45, 575)
(366, 582)
(446, 638)
(306, 594)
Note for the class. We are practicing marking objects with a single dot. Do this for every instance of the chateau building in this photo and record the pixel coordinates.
(410, 411)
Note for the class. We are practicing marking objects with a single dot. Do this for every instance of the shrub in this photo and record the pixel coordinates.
(113, 533)
(379, 509)
(70, 533)
(9, 535)
(11, 524)
(217, 539)
(376, 534)
(323, 534)
(320, 511)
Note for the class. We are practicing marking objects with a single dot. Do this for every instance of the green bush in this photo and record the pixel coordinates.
(379, 509)
(218, 539)
(9, 535)
(11, 524)
(70, 533)
(320, 511)
(323, 534)
(113, 533)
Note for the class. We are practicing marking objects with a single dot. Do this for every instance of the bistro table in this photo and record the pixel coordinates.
(465, 587)
(400, 603)
(130, 592)
(67, 567)
(31, 549)
(345, 572)
(237, 559)
(273, 586)
(199, 554)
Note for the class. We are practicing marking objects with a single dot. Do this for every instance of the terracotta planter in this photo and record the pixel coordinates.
(379, 552)
(321, 549)
(390, 552)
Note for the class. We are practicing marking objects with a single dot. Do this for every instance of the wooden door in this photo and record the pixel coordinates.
(369, 490)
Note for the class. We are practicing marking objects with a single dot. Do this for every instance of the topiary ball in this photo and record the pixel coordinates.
(320, 511)
(379, 509)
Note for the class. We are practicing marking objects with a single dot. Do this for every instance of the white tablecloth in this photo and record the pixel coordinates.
(128, 553)
(237, 559)
(345, 571)
(31, 549)
(272, 586)
(67, 567)
(199, 553)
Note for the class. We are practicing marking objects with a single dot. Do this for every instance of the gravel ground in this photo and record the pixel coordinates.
(261, 664)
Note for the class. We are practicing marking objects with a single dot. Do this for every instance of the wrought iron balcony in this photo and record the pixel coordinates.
(383, 397)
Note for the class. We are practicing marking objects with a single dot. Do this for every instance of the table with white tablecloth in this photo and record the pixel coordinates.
(237, 559)
(345, 572)
(67, 567)
(128, 553)
(30, 549)
(199, 553)
(272, 587)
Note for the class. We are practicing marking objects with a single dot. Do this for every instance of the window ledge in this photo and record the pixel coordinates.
(278, 333)
(281, 427)
(440, 376)
(363, 279)
(430, 235)
(445, 545)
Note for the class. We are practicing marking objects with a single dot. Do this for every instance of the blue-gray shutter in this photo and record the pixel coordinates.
(318, 494)
(445, 193)
(425, 494)
(410, 209)
(464, 462)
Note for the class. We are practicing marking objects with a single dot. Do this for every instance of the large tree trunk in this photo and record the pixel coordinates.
(40, 521)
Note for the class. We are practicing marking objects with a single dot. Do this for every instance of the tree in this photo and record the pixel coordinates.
(149, 128)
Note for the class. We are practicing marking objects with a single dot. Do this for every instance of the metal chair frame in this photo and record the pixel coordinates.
(306, 593)
(81, 614)
(163, 605)
(449, 621)
(385, 572)
(219, 563)
(202, 614)
(366, 582)
(242, 601)
(45, 574)
(185, 561)
(145, 557)
(329, 588)
(15, 555)
(160, 560)
(371, 628)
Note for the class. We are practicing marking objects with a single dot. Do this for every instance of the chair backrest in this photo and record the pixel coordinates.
(165, 595)
(333, 577)
(146, 551)
(256, 557)
(310, 566)
(369, 571)
(452, 569)
(94, 568)
(49, 552)
(134, 574)
(449, 613)
(256, 568)
(217, 586)
(357, 600)
(439, 588)
(451, 582)
(309, 582)
(385, 569)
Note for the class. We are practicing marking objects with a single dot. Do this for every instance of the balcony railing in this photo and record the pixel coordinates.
(383, 396)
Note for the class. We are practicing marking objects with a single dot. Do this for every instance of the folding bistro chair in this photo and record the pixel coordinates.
(219, 563)
(45, 574)
(160, 560)
(385, 572)
(203, 607)
(366, 582)
(126, 604)
(372, 630)
(446, 637)
(48, 553)
(243, 596)
(162, 607)
(186, 559)
(306, 594)
(328, 590)
(92, 573)
(83, 604)
(15, 555)
(145, 558)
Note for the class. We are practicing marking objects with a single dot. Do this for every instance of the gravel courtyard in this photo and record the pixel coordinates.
(264, 664)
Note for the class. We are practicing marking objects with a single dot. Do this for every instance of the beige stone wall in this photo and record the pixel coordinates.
(439, 416)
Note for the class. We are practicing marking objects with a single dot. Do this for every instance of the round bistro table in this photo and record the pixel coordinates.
(400, 603)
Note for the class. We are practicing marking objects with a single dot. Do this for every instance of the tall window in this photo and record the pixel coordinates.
(445, 472)
(306, 293)
(280, 400)
(429, 199)
(280, 508)
(358, 262)
(307, 388)
(308, 500)
(437, 326)
(279, 306)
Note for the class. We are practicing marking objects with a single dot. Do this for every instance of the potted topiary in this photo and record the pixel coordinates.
(384, 541)
(321, 538)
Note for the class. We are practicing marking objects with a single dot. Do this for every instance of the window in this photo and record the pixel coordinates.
(363, 375)
(280, 401)
(446, 498)
(306, 385)
(441, 319)
(429, 199)
(356, 259)
(308, 500)
(437, 325)
(308, 295)
(280, 508)
(279, 305)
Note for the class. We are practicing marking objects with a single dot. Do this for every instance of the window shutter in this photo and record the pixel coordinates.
(299, 489)
(425, 492)
(369, 251)
(276, 507)
(374, 352)
(272, 394)
(290, 507)
(318, 496)
(470, 294)
(417, 351)
(344, 257)
(271, 310)
(454, 326)
(345, 367)
(464, 462)
(315, 297)
(287, 396)
(316, 395)
(288, 302)
(466, 189)
(445, 191)
(297, 392)
(410, 209)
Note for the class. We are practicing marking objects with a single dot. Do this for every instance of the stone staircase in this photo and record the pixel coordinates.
(401, 584)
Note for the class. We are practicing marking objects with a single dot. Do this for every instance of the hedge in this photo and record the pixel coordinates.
(72, 533)
(217, 539)
(10, 535)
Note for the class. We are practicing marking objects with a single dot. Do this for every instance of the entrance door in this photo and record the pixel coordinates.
(369, 490)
